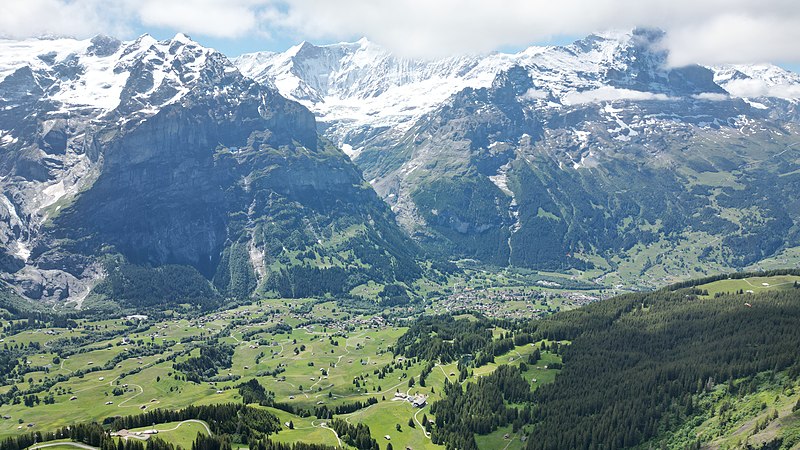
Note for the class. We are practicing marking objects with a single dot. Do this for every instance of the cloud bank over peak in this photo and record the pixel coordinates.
(698, 31)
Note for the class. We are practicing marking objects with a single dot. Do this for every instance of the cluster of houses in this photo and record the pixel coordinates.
(580, 298)
(493, 302)
(141, 435)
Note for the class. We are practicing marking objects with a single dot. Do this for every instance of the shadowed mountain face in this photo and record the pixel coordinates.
(592, 154)
(174, 157)
(148, 154)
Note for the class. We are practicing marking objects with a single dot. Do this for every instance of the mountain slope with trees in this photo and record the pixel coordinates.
(662, 369)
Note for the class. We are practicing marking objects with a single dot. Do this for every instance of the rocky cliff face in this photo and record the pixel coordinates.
(163, 153)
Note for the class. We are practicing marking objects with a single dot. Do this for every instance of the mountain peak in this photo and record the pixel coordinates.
(180, 37)
(300, 49)
(103, 45)
(145, 40)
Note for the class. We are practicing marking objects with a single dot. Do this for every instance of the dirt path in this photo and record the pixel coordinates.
(320, 424)
(205, 425)
(447, 377)
(338, 361)
(747, 427)
(424, 431)
(766, 287)
(141, 391)
(509, 442)
(385, 391)
(56, 444)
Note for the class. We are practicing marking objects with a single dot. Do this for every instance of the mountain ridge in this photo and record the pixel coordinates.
(324, 89)
(543, 159)
(195, 164)
(604, 115)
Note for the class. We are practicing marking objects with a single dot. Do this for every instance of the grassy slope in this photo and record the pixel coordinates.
(747, 419)
(177, 433)
(755, 284)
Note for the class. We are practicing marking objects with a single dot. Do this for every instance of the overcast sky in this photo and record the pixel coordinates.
(699, 31)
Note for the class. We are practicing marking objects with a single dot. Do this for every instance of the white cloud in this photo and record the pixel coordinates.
(123, 18)
(702, 31)
(711, 96)
(757, 88)
(609, 94)
(27, 18)
(223, 19)
(738, 38)
(534, 94)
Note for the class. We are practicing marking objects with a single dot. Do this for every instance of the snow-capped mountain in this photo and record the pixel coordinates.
(67, 87)
(360, 90)
(161, 152)
(758, 81)
(100, 75)
(55, 94)
(547, 158)
(595, 155)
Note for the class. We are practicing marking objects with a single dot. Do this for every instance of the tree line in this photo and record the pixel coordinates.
(241, 422)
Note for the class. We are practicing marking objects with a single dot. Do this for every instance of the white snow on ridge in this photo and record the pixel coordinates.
(364, 85)
(757, 80)
(358, 87)
(768, 73)
(15, 54)
(96, 84)
(80, 83)
(14, 219)
(84, 79)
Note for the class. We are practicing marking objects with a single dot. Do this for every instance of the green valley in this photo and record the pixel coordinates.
(319, 368)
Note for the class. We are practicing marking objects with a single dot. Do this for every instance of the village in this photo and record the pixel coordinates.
(513, 303)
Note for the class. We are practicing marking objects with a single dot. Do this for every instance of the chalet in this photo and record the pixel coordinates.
(418, 400)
